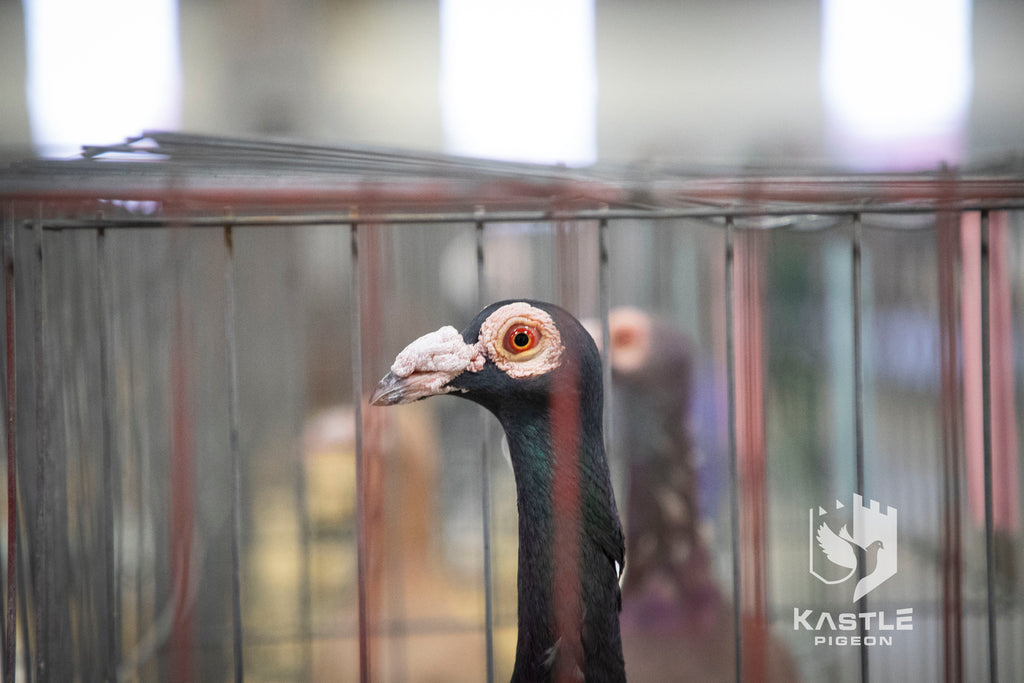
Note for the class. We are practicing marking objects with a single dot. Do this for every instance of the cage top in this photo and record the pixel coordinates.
(192, 176)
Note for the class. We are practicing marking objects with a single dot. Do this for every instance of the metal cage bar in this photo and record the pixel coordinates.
(948, 250)
(235, 456)
(858, 404)
(111, 470)
(365, 654)
(485, 479)
(11, 418)
(782, 210)
(986, 411)
(41, 562)
(734, 501)
(604, 307)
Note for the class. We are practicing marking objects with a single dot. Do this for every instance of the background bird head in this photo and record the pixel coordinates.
(651, 361)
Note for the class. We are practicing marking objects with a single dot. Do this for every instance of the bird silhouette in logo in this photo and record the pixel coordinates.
(842, 550)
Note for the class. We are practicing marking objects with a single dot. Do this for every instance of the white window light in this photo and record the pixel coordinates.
(519, 79)
(896, 78)
(100, 71)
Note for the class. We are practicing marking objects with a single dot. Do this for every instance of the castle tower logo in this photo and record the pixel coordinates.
(836, 554)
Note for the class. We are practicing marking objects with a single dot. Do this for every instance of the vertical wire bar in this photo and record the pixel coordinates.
(305, 588)
(11, 608)
(305, 559)
(357, 400)
(751, 453)
(54, 530)
(27, 656)
(111, 601)
(858, 369)
(485, 481)
(858, 407)
(948, 248)
(986, 411)
(182, 546)
(137, 450)
(604, 309)
(730, 365)
(235, 455)
(42, 566)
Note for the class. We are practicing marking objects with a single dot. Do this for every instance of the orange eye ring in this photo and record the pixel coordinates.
(520, 338)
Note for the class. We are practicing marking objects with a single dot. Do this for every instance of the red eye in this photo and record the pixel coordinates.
(520, 338)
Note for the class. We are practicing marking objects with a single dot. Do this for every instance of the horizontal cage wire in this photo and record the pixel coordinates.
(812, 401)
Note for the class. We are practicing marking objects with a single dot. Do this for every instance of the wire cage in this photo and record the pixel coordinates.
(197, 489)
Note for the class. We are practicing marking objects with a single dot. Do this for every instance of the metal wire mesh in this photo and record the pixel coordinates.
(196, 489)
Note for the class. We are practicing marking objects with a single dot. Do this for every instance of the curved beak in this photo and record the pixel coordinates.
(392, 390)
(426, 366)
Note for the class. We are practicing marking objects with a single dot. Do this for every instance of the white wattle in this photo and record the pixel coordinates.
(441, 351)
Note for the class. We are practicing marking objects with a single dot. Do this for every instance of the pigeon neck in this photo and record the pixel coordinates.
(568, 584)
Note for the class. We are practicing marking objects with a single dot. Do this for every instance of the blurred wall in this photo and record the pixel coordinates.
(14, 131)
(708, 82)
(997, 108)
(703, 82)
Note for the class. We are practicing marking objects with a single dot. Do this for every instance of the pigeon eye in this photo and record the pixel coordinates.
(520, 338)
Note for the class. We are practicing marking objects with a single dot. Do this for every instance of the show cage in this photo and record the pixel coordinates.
(197, 488)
